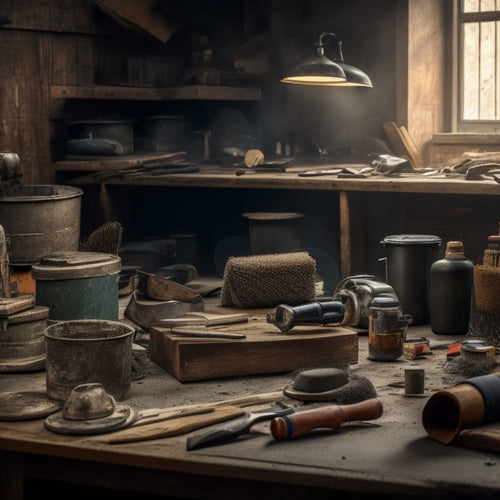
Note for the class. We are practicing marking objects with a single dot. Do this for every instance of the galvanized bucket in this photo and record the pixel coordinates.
(40, 219)
(88, 351)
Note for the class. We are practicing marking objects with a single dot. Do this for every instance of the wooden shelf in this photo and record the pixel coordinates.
(189, 92)
(212, 176)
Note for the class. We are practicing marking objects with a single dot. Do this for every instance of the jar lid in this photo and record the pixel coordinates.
(73, 265)
(412, 239)
(384, 301)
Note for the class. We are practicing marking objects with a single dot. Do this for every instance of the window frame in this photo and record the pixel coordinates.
(458, 124)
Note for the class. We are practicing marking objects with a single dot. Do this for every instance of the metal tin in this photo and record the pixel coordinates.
(88, 351)
(40, 219)
(78, 285)
(22, 342)
(274, 232)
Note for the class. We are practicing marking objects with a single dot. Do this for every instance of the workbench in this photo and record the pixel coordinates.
(365, 209)
(388, 457)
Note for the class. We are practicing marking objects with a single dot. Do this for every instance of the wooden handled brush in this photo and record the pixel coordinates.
(333, 416)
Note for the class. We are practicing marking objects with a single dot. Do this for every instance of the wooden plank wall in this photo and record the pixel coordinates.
(42, 43)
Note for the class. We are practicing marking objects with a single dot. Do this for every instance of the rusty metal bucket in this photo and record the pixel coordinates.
(88, 351)
(40, 219)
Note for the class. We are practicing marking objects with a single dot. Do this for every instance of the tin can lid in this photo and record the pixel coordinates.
(412, 239)
(73, 265)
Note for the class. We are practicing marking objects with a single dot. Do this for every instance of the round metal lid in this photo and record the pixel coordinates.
(412, 239)
(72, 265)
(29, 405)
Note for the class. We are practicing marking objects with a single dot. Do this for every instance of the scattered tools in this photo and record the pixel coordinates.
(286, 317)
(332, 416)
(230, 431)
(164, 422)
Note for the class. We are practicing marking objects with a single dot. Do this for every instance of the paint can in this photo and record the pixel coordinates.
(78, 285)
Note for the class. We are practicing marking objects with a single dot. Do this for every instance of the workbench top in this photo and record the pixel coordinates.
(391, 455)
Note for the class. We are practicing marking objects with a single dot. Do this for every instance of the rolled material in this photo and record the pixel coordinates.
(487, 288)
(476, 401)
(269, 280)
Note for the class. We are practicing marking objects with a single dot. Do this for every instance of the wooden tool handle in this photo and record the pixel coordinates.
(332, 416)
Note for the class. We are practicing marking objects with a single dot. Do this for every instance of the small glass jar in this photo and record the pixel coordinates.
(386, 329)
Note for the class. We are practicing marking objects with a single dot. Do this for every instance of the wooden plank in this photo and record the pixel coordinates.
(414, 156)
(97, 163)
(24, 124)
(181, 425)
(12, 305)
(264, 350)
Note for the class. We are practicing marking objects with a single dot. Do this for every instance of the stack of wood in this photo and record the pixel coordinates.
(403, 145)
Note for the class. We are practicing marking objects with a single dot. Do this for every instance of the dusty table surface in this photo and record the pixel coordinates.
(392, 455)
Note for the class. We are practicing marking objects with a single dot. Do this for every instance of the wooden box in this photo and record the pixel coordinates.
(265, 349)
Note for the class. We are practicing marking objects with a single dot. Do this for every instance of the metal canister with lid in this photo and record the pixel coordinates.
(78, 285)
(386, 329)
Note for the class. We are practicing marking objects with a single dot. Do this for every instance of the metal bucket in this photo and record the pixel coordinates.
(408, 268)
(78, 285)
(88, 351)
(22, 341)
(40, 219)
(274, 232)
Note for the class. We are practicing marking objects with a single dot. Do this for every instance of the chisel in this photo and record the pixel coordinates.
(333, 416)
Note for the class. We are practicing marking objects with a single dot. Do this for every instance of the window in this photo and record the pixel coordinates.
(478, 65)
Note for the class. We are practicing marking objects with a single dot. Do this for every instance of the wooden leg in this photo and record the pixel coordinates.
(352, 233)
(11, 476)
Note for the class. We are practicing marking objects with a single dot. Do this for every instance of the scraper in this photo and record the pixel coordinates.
(229, 431)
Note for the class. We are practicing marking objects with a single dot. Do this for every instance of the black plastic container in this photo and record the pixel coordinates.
(451, 291)
(408, 265)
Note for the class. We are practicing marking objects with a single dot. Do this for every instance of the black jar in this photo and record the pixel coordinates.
(451, 291)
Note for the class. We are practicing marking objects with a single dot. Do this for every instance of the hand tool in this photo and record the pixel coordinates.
(253, 170)
(286, 317)
(333, 416)
(229, 431)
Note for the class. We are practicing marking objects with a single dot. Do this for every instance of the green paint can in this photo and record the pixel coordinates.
(78, 285)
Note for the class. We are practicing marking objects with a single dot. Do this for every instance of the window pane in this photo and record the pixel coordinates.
(487, 5)
(480, 71)
(470, 70)
(487, 82)
(470, 6)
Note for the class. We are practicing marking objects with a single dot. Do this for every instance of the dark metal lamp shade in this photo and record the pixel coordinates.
(322, 71)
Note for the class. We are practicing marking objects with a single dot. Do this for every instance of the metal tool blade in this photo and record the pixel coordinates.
(229, 431)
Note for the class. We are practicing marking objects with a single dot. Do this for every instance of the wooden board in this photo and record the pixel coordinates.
(118, 162)
(264, 350)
